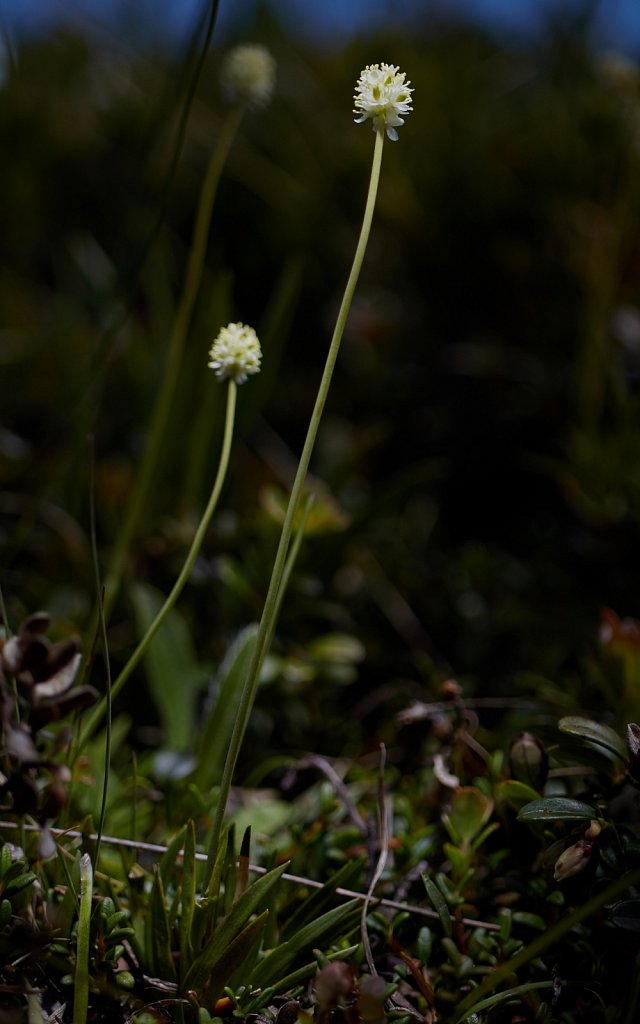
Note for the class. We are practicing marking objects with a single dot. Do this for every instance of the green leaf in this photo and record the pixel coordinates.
(319, 902)
(469, 811)
(626, 914)
(214, 737)
(516, 794)
(557, 808)
(230, 927)
(158, 932)
(602, 735)
(18, 884)
(439, 905)
(168, 861)
(325, 930)
(174, 675)
(188, 898)
(234, 957)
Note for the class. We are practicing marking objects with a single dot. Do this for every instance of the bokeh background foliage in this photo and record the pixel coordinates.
(478, 466)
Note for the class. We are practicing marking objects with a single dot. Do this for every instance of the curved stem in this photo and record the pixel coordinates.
(267, 622)
(181, 323)
(97, 714)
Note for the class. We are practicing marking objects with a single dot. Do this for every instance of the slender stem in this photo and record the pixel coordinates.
(96, 716)
(105, 646)
(81, 988)
(182, 320)
(267, 622)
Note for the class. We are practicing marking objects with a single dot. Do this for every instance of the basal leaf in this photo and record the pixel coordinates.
(158, 933)
(325, 930)
(229, 927)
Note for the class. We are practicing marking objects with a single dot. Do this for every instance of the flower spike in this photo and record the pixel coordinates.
(383, 95)
(236, 353)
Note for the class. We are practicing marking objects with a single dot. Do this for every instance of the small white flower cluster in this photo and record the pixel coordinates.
(383, 95)
(248, 75)
(236, 353)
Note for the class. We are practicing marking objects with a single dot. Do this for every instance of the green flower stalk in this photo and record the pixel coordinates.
(382, 95)
(247, 79)
(234, 356)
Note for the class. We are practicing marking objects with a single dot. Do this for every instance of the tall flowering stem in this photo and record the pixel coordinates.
(274, 595)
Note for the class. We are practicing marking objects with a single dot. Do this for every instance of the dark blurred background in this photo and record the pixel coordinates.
(478, 467)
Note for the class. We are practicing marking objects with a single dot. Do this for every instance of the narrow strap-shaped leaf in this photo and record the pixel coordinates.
(326, 929)
(230, 926)
(158, 934)
(242, 881)
(234, 957)
(213, 888)
(212, 746)
(321, 900)
(188, 898)
(167, 863)
(439, 905)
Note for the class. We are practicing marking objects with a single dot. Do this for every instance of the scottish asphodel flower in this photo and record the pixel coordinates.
(383, 95)
(236, 353)
(248, 75)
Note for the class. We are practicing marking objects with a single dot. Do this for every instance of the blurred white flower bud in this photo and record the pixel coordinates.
(248, 75)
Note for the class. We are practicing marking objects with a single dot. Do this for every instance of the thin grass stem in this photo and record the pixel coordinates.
(105, 647)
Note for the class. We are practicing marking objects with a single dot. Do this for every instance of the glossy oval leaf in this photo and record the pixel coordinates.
(557, 808)
(595, 732)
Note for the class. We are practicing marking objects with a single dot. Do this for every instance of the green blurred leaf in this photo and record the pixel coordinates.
(439, 905)
(469, 812)
(214, 737)
(516, 794)
(175, 677)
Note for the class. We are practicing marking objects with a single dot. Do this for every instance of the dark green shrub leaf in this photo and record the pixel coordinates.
(594, 732)
(557, 808)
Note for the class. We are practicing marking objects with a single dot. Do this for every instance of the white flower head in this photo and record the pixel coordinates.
(236, 353)
(383, 95)
(248, 75)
